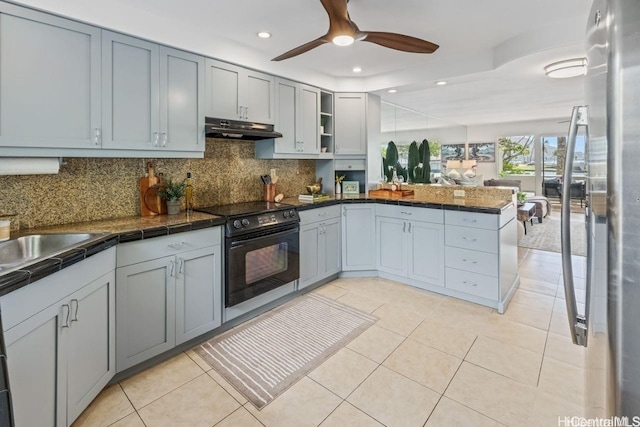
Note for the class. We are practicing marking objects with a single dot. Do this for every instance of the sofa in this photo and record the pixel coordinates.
(543, 207)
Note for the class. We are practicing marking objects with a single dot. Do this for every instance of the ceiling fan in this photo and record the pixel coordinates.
(343, 32)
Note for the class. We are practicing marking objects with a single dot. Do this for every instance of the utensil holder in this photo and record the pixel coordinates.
(5, 230)
(269, 192)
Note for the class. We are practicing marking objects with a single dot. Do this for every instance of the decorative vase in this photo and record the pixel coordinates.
(173, 207)
(338, 188)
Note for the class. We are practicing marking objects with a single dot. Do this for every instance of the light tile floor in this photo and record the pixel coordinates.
(429, 361)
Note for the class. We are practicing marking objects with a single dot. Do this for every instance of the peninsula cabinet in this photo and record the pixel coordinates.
(153, 96)
(60, 338)
(358, 237)
(410, 242)
(349, 121)
(481, 253)
(168, 292)
(319, 244)
(49, 81)
(297, 118)
(237, 93)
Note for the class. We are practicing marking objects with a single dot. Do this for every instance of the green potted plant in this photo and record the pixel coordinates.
(521, 197)
(172, 192)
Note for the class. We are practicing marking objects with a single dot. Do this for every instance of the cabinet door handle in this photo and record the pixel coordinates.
(66, 321)
(180, 265)
(97, 136)
(469, 239)
(404, 227)
(156, 139)
(240, 111)
(75, 313)
(164, 139)
(246, 113)
(172, 268)
(409, 228)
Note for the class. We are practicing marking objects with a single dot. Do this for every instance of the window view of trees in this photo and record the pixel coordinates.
(517, 155)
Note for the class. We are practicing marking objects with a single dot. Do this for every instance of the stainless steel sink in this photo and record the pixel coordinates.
(25, 250)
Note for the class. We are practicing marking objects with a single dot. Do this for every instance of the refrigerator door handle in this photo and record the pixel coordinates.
(577, 323)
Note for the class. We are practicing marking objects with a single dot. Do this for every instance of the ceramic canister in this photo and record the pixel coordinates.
(5, 229)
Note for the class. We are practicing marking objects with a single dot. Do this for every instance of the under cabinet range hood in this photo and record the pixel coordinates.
(233, 129)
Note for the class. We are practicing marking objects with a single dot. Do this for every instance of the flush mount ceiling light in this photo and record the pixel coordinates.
(357, 69)
(264, 34)
(441, 83)
(392, 90)
(567, 68)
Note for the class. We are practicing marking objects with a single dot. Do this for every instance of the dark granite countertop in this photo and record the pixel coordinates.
(115, 231)
(487, 206)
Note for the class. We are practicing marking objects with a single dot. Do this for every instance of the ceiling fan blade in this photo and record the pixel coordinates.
(398, 41)
(336, 9)
(302, 49)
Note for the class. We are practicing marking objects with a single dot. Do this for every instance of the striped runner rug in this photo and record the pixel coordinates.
(265, 356)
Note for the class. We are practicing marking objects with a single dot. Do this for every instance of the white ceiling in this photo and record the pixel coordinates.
(491, 52)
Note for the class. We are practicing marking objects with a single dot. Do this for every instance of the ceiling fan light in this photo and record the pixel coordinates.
(567, 68)
(343, 40)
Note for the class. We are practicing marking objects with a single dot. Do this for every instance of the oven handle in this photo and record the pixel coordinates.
(294, 230)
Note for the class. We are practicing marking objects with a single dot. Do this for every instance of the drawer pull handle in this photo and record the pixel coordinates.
(405, 213)
(469, 283)
(469, 239)
(466, 260)
(322, 214)
(469, 220)
(177, 245)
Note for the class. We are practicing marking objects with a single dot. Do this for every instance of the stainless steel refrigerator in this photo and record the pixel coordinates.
(610, 326)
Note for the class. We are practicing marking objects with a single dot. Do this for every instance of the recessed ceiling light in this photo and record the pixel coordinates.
(357, 69)
(441, 83)
(567, 68)
(393, 90)
(264, 35)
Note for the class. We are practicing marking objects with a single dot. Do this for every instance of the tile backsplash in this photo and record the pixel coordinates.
(88, 189)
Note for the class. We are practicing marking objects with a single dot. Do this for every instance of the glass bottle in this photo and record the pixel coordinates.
(188, 194)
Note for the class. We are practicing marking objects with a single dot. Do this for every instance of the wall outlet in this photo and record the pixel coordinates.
(458, 193)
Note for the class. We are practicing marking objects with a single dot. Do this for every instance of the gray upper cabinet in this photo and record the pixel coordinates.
(152, 96)
(297, 118)
(349, 119)
(181, 100)
(49, 81)
(237, 93)
(131, 92)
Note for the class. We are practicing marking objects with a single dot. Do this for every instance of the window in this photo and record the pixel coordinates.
(518, 156)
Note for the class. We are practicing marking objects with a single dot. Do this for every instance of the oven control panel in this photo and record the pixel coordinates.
(253, 222)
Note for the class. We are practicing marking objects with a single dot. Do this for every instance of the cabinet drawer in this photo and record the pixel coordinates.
(409, 213)
(473, 261)
(471, 219)
(319, 214)
(472, 283)
(158, 247)
(345, 165)
(471, 238)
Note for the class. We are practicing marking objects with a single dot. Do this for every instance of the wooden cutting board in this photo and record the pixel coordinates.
(150, 203)
(389, 194)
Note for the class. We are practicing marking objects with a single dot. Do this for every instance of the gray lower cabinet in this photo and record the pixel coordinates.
(49, 81)
(61, 349)
(410, 242)
(358, 237)
(153, 96)
(168, 292)
(319, 244)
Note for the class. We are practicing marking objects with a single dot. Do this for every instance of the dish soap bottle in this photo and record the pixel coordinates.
(188, 194)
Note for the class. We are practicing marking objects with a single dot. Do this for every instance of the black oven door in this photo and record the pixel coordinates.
(259, 262)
